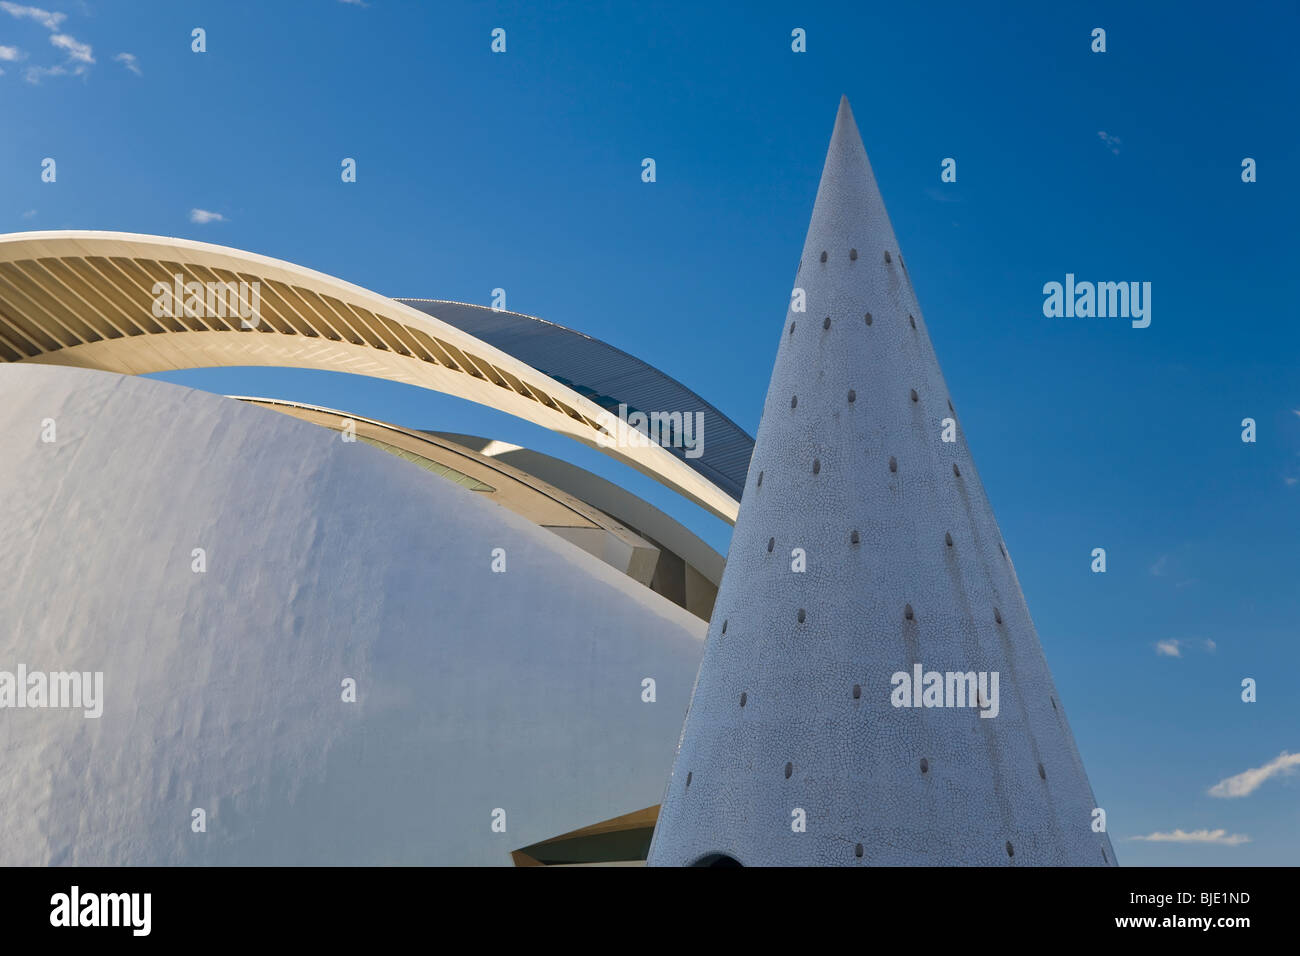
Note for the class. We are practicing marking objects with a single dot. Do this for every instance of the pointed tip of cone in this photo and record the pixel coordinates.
(846, 127)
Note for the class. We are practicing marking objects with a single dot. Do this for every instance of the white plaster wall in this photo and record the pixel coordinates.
(855, 764)
(325, 560)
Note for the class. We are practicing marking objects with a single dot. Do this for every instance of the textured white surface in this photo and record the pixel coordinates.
(854, 764)
(325, 560)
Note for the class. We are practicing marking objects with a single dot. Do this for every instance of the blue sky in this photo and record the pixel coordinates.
(522, 171)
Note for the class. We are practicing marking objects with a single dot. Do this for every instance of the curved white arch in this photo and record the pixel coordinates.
(86, 299)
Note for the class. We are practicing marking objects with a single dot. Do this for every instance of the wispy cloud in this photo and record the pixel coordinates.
(1158, 569)
(939, 195)
(76, 50)
(10, 54)
(29, 213)
(80, 55)
(45, 18)
(129, 61)
(202, 216)
(1174, 646)
(355, 3)
(1112, 142)
(1220, 837)
(33, 74)
(1247, 782)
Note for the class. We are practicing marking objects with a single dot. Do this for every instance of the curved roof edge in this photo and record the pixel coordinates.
(608, 376)
(102, 300)
(611, 499)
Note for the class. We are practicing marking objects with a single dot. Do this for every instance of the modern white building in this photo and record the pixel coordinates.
(872, 690)
(242, 630)
(324, 639)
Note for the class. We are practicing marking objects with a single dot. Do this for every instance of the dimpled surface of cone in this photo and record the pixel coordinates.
(793, 752)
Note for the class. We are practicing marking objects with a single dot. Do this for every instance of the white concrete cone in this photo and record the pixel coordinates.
(793, 751)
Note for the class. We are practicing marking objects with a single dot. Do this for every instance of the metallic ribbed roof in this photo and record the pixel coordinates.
(607, 376)
(137, 304)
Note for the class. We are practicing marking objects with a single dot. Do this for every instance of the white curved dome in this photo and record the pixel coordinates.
(325, 560)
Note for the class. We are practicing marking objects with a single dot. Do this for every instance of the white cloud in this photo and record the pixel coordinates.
(1247, 782)
(10, 54)
(76, 50)
(129, 61)
(1112, 142)
(939, 195)
(1196, 836)
(80, 55)
(29, 213)
(1291, 481)
(45, 18)
(202, 216)
(355, 3)
(33, 74)
(1174, 646)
